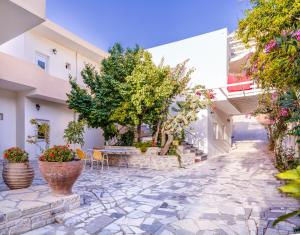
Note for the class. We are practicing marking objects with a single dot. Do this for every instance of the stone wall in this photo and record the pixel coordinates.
(150, 159)
(23, 210)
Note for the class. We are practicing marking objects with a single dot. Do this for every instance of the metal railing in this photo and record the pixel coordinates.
(254, 90)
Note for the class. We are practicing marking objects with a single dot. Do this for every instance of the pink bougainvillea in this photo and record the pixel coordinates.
(296, 35)
(270, 46)
(284, 112)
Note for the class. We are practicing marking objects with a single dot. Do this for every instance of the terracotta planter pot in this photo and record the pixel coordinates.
(17, 175)
(61, 176)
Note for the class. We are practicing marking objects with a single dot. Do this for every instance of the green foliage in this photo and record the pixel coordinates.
(143, 146)
(58, 153)
(185, 111)
(292, 188)
(42, 130)
(97, 103)
(130, 90)
(144, 92)
(15, 155)
(74, 133)
(191, 101)
(267, 19)
(126, 139)
(274, 26)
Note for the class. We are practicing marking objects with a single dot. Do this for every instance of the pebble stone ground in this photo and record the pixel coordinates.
(231, 194)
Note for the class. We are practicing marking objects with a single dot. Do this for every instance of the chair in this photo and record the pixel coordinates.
(98, 157)
(82, 156)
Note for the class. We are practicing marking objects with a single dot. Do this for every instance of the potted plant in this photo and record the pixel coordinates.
(60, 169)
(17, 173)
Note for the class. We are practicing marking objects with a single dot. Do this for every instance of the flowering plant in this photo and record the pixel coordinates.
(15, 155)
(58, 153)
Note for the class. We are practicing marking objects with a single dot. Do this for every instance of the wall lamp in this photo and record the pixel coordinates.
(38, 107)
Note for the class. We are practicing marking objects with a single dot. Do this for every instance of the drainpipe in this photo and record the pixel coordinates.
(76, 71)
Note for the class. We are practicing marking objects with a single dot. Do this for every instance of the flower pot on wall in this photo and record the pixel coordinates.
(61, 176)
(17, 175)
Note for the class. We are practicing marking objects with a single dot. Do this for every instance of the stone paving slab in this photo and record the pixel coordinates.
(25, 209)
(231, 194)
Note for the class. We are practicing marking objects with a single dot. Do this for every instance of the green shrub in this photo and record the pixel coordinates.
(292, 188)
(143, 146)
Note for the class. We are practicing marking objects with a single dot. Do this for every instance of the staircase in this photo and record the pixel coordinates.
(237, 47)
(191, 149)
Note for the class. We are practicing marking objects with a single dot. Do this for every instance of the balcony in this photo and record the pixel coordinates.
(19, 75)
(30, 14)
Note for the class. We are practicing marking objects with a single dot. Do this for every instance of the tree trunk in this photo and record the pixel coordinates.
(155, 137)
(139, 132)
(163, 138)
(166, 147)
(271, 139)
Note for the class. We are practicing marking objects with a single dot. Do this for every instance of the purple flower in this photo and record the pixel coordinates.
(270, 46)
(296, 35)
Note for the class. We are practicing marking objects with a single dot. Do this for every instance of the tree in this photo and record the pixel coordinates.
(275, 64)
(97, 102)
(145, 94)
(74, 133)
(190, 102)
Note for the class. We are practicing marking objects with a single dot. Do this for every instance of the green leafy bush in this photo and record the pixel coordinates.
(58, 153)
(74, 133)
(143, 146)
(292, 188)
(15, 155)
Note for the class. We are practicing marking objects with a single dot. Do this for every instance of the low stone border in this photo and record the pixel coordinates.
(25, 209)
(150, 159)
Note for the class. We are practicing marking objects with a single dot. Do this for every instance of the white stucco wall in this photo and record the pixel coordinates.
(58, 116)
(207, 54)
(28, 44)
(197, 133)
(8, 124)
(14, 47)
(220, 142)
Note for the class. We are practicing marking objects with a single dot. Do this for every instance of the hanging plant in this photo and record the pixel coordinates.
(42, 133)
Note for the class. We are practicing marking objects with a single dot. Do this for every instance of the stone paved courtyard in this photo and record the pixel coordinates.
(232, 194)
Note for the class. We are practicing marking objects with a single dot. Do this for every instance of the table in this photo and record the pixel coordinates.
(123, 153)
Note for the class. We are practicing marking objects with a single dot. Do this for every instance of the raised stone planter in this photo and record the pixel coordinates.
(25, 209)
(150, 159)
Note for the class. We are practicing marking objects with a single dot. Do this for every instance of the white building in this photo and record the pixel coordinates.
(217, 59)
(34, 71)
(37, 57)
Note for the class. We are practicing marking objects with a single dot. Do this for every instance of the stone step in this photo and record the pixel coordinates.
(23, 210)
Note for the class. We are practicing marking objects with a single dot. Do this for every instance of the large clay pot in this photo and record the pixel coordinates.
(17, 175)
(61, 176)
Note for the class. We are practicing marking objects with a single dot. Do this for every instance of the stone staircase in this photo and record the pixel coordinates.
(188, 148)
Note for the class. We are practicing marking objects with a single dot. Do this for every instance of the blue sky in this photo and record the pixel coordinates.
(145, 22)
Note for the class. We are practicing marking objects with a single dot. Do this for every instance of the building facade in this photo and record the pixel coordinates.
(35, 66)
(37, 57)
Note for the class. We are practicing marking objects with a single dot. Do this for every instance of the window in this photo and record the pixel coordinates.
(41, 126)
(42, 61)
